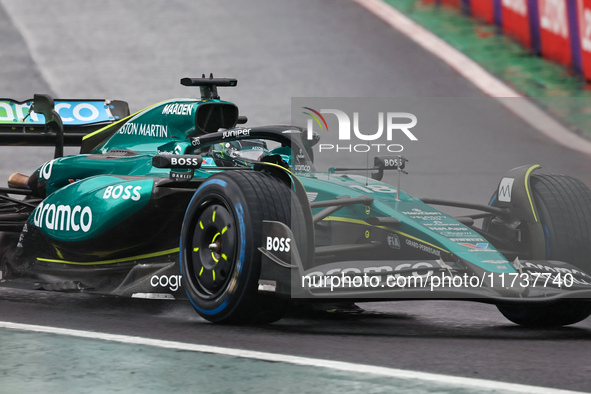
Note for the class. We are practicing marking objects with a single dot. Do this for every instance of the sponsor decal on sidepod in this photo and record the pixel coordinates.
(63, 217)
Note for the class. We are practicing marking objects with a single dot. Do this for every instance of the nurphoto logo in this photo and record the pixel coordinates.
(390, 124)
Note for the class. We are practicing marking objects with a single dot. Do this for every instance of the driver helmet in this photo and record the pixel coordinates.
(238, 153)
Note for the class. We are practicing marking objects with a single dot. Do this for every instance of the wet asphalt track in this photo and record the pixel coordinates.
(137, 51)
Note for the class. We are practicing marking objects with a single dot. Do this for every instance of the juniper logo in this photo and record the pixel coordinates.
(392, 124)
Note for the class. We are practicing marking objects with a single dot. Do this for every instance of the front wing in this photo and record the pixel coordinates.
(534, 281)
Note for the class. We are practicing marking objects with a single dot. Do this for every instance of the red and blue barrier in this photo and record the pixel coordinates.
(484, 10)
(583, 12)
(516, 17)
(558, 30)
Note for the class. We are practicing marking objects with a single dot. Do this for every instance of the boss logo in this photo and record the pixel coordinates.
(184, 161)
(278, 244)
(129, 192)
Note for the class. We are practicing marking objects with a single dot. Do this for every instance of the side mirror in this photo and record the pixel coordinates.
(389, 162)
(381, 163)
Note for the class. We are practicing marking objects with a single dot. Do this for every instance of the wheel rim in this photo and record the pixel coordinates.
(212, 250)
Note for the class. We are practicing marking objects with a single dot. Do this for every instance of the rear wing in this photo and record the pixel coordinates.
(43, 121)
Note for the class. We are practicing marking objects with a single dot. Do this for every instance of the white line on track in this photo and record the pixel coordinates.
(479, 384)
(481, 78)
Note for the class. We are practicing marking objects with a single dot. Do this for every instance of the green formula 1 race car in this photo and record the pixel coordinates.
(177, 201)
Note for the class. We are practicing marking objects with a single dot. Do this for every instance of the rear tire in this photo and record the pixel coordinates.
(564, 207)
(220, 237)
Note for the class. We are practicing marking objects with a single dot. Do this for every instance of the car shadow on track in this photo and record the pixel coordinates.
(423, 324)
(418, 319)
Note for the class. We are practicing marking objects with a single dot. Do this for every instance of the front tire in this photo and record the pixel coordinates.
(564, 206)
(220, 237)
